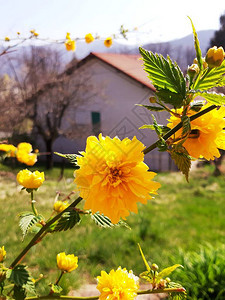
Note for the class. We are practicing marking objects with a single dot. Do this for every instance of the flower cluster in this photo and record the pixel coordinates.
(118, 285)
(113, 177)
(30, 180)
(206, 135)
(67, 263)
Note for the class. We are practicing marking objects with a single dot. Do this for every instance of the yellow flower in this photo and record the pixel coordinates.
(60, 206)
(207, 134)
(2, 254)
(215, 57)
(24, 154)
(68, 36)
(36, 34)
(18, 32)
(118, 285)
(7, 39)
(9, 149)
(108, 42)
(89, 38)
(30, 180)
(70, 45)
(67, 263)
(113, 177)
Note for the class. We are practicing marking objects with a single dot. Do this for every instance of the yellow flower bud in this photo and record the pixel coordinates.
(205, 65)
(154, 267)
(152, 99)
(70, 45)
(2, 254)
(36, 34)
(89, 38)
(108, 42)
(67, 263)
(68, 36)
(7, 39)
(215, 57)
(60, 206)
(30, 180)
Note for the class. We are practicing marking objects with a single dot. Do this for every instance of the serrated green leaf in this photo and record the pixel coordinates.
(72, 158)
(175, 99)
(67, 221)
(197, 46)
(177, 295)
(182, 160)
(163, 73)
(19, 275)
(27, 220)
(212, 97)
(211, 78)
(105, 222)
(151, 107)
(167, 271)
(186, 125)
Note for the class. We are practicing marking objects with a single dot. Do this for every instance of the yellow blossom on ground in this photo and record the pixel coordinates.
(2, 254)
(70, 45)
(118, 285)
(215, 56)
(67, 263)
(30, 180)
(207, 134)
(89, 38)
(113, 177)
(59, 206)
(108, 42)
(9, 149)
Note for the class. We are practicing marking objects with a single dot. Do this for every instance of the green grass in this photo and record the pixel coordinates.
(183, 216)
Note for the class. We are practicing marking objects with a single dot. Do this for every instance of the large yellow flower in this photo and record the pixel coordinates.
(30, 180)
(118, 285)
(113, 177)
(24, 154)
(207, 134)
(67, 263)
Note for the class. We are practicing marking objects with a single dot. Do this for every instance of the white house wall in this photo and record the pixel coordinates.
(120, 116)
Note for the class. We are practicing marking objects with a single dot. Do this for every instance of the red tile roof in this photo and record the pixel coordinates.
(130, 65)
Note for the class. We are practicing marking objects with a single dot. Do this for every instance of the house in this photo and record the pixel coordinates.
(124, 84)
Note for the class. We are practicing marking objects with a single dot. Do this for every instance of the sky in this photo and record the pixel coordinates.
(159, 20)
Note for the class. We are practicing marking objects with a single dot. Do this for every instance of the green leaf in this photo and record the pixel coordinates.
(27, 220)
(67, 221)
(197, 46)
(167, 271)
(163, 73)
(105, 222)
(151, 107)
(144, 259)
(164, 129)
(55, 288)
(19, 292)
(19, 275)
(211, 78)
(179, 295)
(175, 99)
(181, 159)
(147, 276)
(186, 125)
(212, 97)
(72, 158)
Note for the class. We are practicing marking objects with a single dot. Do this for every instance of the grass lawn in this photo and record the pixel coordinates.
(183, 216)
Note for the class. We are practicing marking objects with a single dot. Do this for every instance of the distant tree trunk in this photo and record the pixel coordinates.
(49, 156)
(217, 163)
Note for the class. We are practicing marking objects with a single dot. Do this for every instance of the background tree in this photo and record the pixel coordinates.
(219, 37)
(50, 93)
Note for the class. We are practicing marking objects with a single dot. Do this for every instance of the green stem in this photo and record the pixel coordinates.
(32, 203)
(41, 231)
(60, 276)
(143, 292)
(179, 126)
